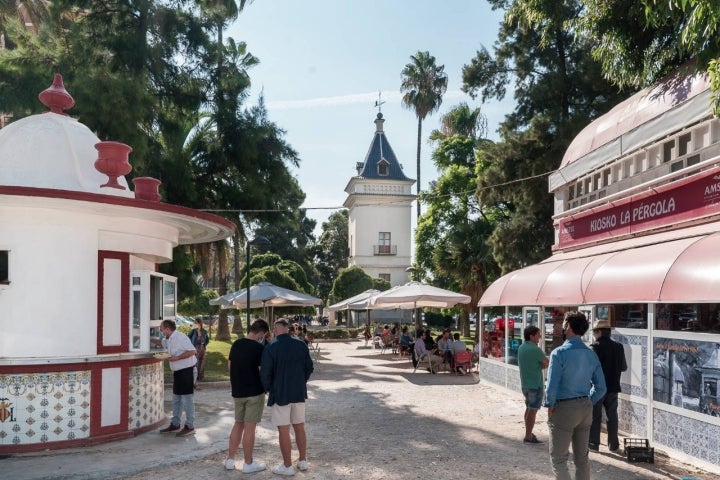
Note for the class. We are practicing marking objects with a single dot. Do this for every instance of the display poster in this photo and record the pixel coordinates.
(686, 374)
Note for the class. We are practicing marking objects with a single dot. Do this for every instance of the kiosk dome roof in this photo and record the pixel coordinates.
(52, 150)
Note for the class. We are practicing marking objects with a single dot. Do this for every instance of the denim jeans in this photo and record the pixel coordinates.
(187, 403)
(610, 402)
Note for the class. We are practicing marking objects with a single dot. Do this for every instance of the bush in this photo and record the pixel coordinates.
(350, 333)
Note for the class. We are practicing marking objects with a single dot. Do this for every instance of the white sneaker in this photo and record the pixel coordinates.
(283, 470)
(302, 465)
(229, 464)
(253, 467)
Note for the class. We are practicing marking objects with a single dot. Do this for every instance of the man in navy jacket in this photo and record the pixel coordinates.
(286, 368)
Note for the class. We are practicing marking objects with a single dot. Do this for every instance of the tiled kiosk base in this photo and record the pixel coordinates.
(680, 436)
(53, 404)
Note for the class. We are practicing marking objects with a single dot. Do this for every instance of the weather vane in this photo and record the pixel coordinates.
(379, 103)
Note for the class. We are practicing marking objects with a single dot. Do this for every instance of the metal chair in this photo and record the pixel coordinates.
(388, 343)
(315, 352)
(463, 360)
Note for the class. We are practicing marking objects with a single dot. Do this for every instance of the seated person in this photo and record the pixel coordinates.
(309, 338)
(444, 345)
(367, 335)
(405, 341)
(476, 351)
(430, 344)
(457, 347)
(378, 330)
(422, 352)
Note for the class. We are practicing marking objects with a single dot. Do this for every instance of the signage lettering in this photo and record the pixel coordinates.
(689, 200)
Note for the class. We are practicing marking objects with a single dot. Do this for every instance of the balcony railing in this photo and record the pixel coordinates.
(384, 249)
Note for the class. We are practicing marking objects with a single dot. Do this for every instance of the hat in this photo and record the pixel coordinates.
(600, 324)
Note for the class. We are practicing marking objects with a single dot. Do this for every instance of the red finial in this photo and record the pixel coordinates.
(55, 97)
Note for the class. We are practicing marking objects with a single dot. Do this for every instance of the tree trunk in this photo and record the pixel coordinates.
(223, 331)
(237, 324)
(417, 185)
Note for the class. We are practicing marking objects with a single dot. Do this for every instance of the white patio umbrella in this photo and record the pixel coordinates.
(416, 294)
(266, 294)
(356, 302)
(350, 303)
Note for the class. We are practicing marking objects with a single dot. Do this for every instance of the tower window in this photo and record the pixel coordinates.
(383, 168)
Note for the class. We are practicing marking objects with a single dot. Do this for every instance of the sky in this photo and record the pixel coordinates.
(323, 64)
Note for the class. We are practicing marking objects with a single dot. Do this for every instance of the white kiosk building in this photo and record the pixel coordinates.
(379, 203)
(80, 295)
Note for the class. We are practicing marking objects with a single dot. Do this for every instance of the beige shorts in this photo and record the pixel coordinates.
(290, 414)
(249, 409)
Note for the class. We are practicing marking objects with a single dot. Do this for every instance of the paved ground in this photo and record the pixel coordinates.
(369, 417)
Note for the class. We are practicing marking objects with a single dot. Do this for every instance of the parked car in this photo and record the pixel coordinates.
(183, 320)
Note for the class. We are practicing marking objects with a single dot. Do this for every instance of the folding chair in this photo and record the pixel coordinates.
(463, 360)
(315, 352)
(387, 343)
(425, 358)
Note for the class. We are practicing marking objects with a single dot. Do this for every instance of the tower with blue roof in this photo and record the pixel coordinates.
(379, 204)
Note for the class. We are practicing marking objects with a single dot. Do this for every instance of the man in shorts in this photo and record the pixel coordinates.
(532, 361)
(249, 395)
(286, 368)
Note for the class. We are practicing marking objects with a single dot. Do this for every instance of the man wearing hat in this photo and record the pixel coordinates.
(612, 360)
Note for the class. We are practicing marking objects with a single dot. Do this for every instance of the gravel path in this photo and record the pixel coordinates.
(370, 417)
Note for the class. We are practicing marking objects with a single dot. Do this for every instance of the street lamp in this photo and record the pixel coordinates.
(258, 241)
(416, 312)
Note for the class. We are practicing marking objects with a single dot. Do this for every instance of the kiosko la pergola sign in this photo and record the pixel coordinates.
(695, 197)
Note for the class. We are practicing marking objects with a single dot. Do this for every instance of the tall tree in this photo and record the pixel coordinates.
(424, 83)
(452, 235)
(559, 89)
(639, 42)
(330, 252)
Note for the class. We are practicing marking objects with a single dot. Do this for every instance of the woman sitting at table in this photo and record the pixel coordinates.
(405, 341)
(423, 353)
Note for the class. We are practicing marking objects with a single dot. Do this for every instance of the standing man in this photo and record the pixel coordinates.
(575, 383)
(286, 368)
(248, 393)
(182, 361)
(612, 359)
(532, 361)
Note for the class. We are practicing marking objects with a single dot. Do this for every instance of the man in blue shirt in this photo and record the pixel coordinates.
(285, 369)
(575, 383)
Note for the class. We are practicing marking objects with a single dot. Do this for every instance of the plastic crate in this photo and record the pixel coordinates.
(639, 450)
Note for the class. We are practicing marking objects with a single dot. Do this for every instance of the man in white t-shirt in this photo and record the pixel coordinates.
(182, 360)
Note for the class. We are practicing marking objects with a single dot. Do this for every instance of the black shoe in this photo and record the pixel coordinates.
(170, 428)
(614, 447)
(594, 447)
(185, 432)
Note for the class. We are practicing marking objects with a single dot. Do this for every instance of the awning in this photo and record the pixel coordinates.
(683, 270)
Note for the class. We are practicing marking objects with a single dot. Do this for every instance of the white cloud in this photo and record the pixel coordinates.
(350, 99)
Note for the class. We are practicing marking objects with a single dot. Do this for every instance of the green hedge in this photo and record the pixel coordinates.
(350, 333)
(438, 320)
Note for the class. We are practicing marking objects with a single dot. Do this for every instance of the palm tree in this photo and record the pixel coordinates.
(423, 84)
(461, 120)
